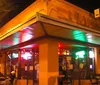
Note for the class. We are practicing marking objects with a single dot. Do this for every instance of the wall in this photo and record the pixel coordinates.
(59, 9)
(63, 10)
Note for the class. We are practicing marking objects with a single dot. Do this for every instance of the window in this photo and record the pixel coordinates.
(79, 61)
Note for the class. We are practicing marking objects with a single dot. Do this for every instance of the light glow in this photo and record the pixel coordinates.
(91, 54)
(89, 37)
(91, 67)
(79, 35)
(15, 55)
(26, 55)
(80, 54)
(26, 37)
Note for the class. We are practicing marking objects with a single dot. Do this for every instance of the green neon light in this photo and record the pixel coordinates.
(80, 54)
(16, 41)
(79, 35)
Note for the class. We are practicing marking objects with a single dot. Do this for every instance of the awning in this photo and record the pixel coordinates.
(43, 25)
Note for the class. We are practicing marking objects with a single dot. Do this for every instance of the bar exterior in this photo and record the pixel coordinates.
(49, 35)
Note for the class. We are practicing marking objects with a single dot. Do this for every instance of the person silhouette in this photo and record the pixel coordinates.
(12, 77)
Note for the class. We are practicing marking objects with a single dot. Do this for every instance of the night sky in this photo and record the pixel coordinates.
(20, 5)
(89, 5)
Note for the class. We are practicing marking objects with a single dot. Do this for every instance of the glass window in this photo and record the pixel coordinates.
(12, 62)
(80, 62)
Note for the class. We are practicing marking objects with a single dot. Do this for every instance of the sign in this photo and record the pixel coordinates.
(80, 54)
(97, 13)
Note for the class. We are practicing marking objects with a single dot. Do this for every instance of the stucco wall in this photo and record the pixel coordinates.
(64, 10)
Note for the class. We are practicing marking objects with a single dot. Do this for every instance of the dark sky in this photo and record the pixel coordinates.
(20, 5)
(88, 5)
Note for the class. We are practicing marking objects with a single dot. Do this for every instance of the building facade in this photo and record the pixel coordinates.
(46, 34)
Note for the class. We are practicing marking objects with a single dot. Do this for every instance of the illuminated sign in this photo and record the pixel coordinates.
(26, 55)
(80, 54)
(14, 55)
(79, 35)
(97, 13)
(91, 54)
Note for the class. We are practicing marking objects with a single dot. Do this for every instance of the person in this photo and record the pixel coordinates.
(60, 72)
(12, 77)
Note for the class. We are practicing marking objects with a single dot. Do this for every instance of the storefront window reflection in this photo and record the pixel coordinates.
(12, 62)
(79, 62)
(23, 62)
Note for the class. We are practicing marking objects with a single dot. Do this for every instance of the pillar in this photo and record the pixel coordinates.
(48, 62)
(3, 63)
(97, 60)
